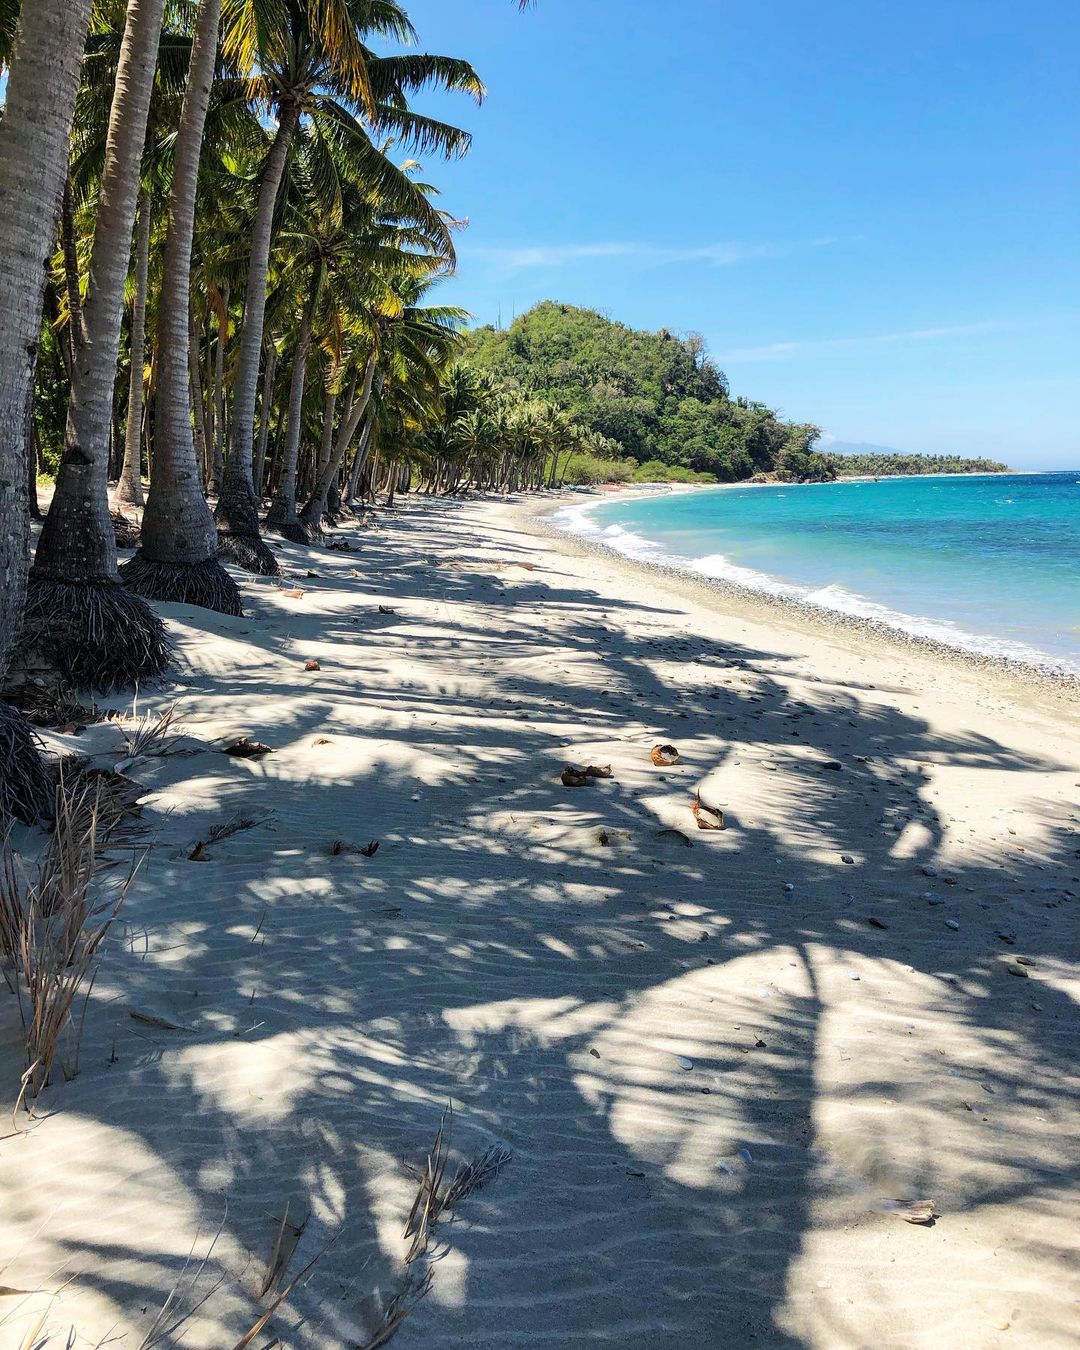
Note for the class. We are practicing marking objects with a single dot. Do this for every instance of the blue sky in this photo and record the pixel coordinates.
(869, 210)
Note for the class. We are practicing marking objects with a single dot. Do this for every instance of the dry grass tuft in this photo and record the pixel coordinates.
(433, 1199)
(52, 926)
(115, 798)
(253, 1331)
(152, 735)
(285, 1243)
(408, 1298)
(474, 1176)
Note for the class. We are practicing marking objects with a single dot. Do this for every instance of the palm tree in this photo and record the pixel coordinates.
(177, 557)
(34, 133)
(282, 514)
(79, 620)
(407, 343)
(311, 61)
(129, 489)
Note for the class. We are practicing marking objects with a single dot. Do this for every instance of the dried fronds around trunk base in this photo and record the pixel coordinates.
(54, 704)
(52, 925)
(249, 552)
(96, 635)
(278, 520)
(25, 785)
(206, 584)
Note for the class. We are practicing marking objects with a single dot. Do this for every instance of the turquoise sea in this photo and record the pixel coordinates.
(990, 563)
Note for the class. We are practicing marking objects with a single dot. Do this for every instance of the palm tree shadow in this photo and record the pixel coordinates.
(496, 953)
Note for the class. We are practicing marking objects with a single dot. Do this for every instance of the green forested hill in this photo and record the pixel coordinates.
(658, 397)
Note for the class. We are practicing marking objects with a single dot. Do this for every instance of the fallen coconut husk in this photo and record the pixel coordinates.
(911, 1211)
(243, 748)
(677, 835)
(707, 817)
(663, 756)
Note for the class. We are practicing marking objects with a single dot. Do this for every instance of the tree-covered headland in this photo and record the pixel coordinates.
(662, 408)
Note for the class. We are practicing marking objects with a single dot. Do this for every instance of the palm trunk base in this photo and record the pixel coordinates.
(282, 519)
(129, 495)
(249, 552)
(237, 518)
(95, 635)
(205, 584)
(26, 790)
(293, 531)
(126, 530)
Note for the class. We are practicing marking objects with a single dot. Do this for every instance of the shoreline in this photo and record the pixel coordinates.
(1054, 680)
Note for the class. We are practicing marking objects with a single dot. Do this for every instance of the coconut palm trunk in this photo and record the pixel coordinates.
(359, 460)
(198, 406)
(282, 515)
(80, 622)
(237, 510)
(258, 470)
(220, 304)
(34, 136)
(177, 558)
(311, 516)
(333, 498)
(329, 413)
(129, 489)
(72, 282)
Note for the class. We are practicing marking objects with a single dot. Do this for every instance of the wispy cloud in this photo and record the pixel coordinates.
(778, 351)
(525, 257)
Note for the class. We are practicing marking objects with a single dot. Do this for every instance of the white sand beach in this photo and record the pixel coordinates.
(715, 1058)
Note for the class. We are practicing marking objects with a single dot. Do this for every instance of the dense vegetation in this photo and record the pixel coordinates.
(655, 398)
(895, 464)
(234, 312)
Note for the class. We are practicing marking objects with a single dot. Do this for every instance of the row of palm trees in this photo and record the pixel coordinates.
(212, 192)
(482, 436)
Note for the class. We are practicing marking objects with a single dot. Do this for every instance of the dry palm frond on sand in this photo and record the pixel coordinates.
(223, 831)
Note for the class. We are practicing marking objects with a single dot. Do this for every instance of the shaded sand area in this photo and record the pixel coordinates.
(715, 1056)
